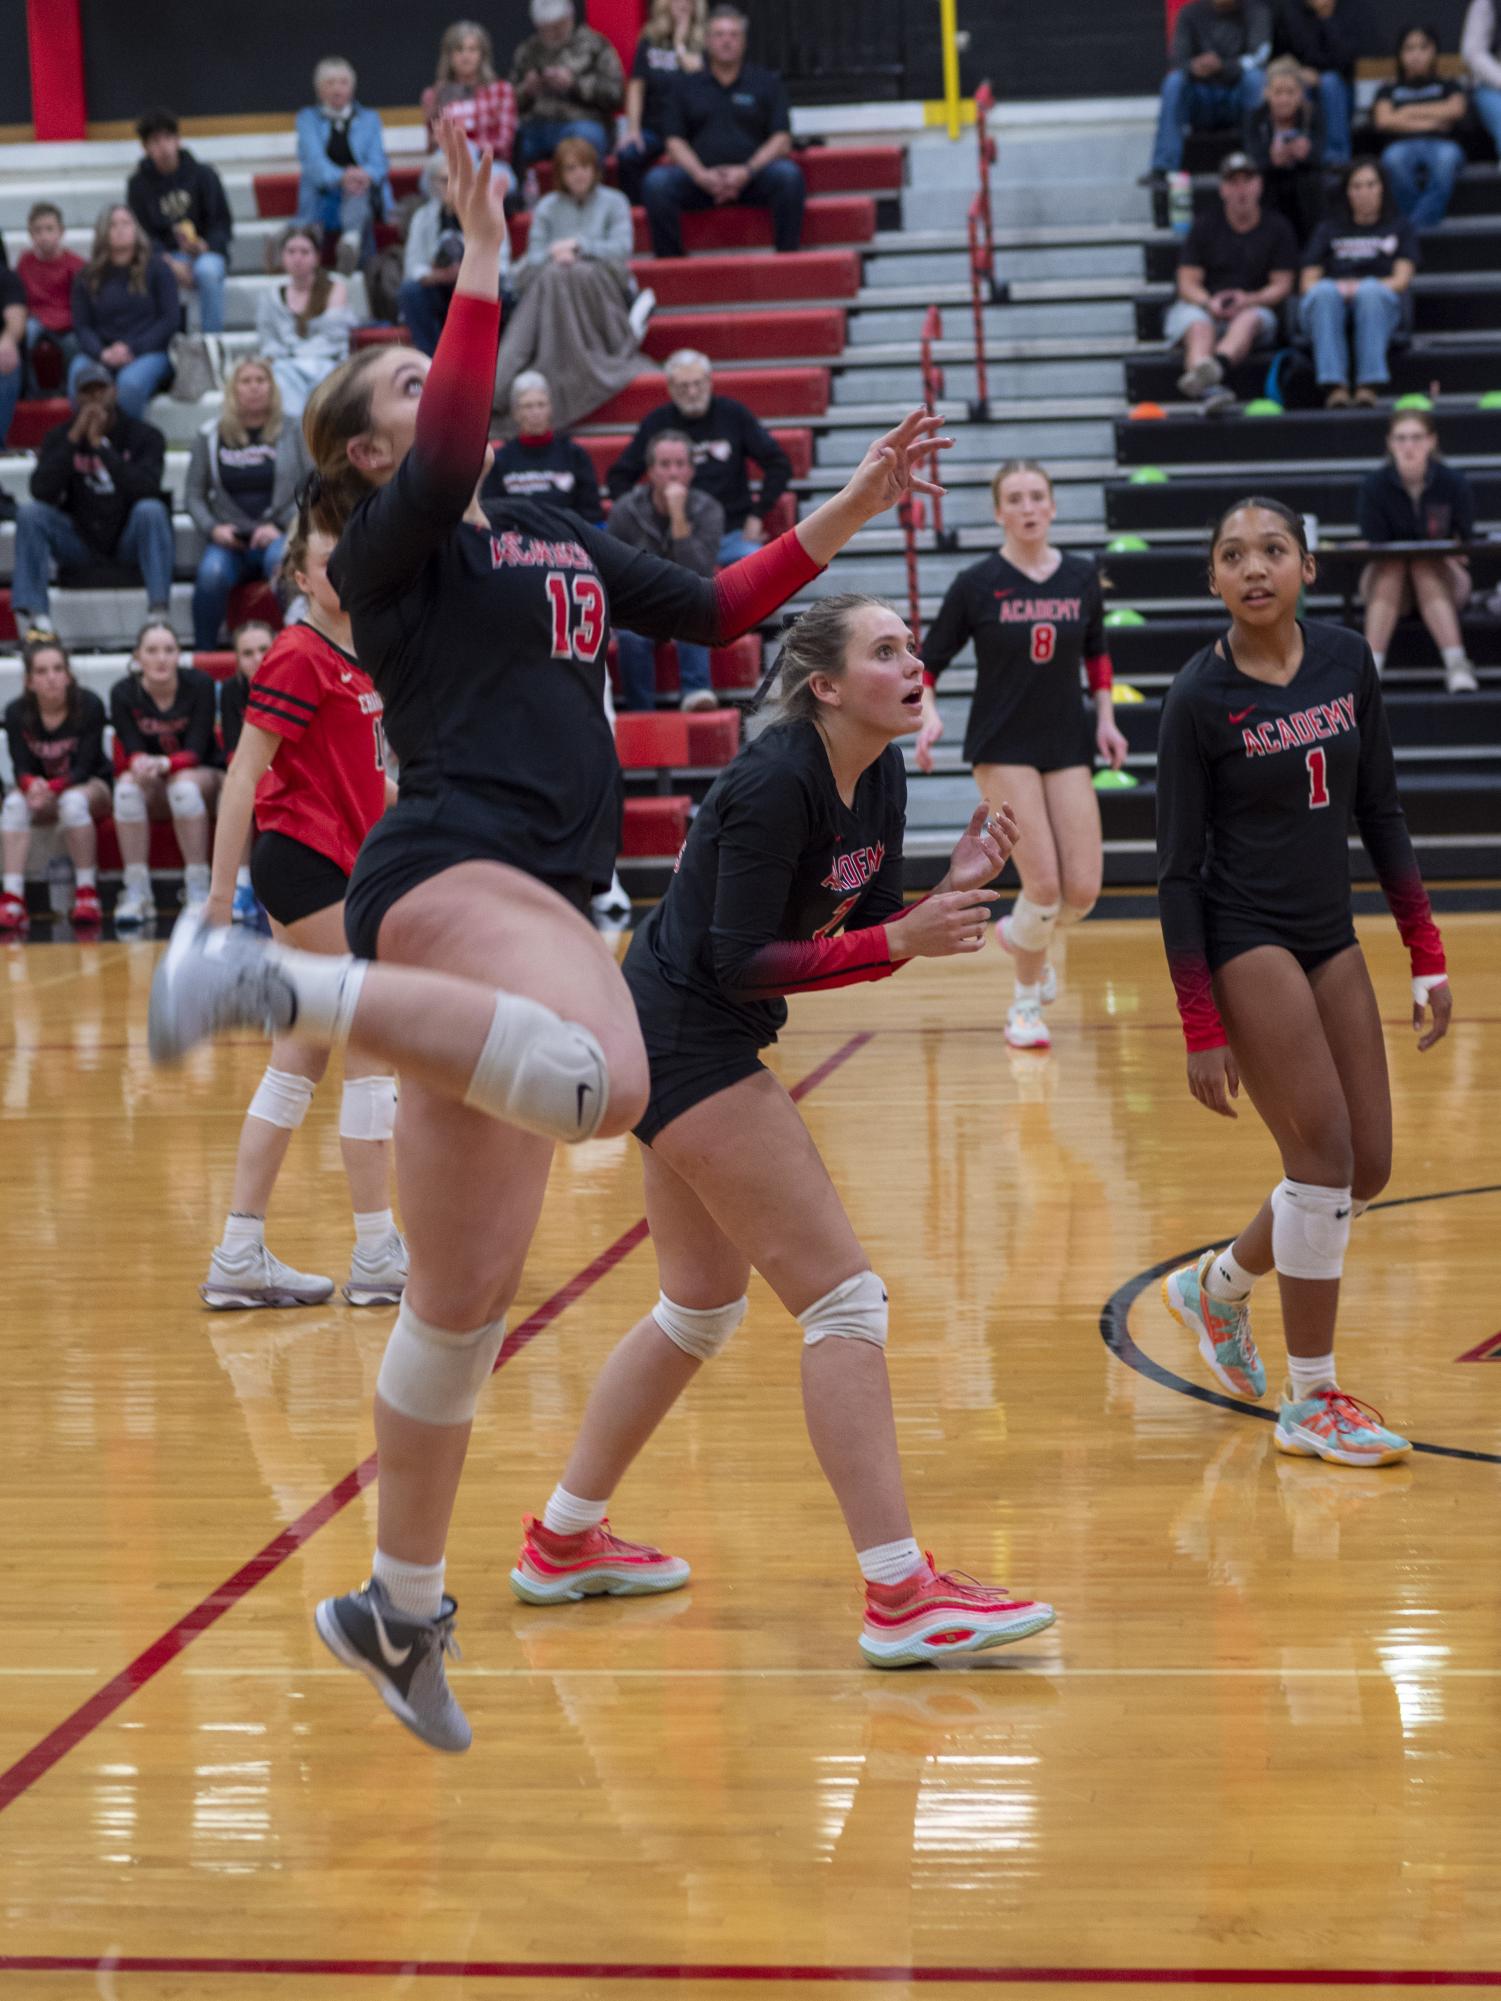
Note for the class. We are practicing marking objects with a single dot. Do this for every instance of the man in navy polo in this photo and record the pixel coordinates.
(728, 132)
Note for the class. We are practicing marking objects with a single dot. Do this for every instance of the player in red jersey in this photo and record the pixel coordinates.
(800, 840)
(1036, 618)
(309, 766)
(1273, 739)
(483, 626)
(56, 734)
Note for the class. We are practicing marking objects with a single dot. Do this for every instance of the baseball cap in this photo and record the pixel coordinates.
(92, 375)
(1237, 163)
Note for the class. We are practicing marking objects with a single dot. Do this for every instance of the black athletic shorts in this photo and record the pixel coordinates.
(1051, 750)
(1231, 941)
(293, 880)
(692, 1050)
(399, 856)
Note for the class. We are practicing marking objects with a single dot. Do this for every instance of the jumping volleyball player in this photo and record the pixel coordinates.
(1272, 740)
(1035, 615)
(484, 630)
(800, 840)
(308, 767)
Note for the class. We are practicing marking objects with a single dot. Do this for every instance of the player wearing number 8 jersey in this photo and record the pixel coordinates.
(1036, 618)
(1272, 741)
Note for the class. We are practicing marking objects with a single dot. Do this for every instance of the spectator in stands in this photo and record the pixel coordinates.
(341, 149)
(1235, 269)
(126, 308)
(1357, 274)
(725, 436)
(1285, 139)
(243, 476)
(569, 83)
(1324, 37)
(96, 496)
(1480, 44)
(47, 271)
(467, 91)
(302, 327)
(430, 261)
(1416, 113)
(575, 292)
(14, 314)
(1415, 497)
(540, 463)
(729, 135)
(181, 205)
(671, 45)
(56, 735)
(168, 766)
(1218, 54)
(672, 518)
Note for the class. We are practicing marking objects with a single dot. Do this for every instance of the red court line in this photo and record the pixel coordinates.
(1488, 1350)
(916, 1976)
(102, 1704)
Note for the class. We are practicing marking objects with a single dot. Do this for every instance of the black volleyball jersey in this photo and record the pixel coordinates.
(1031, 641)
(67, 755)
(1256, 788)
(774, 865)
(182, 731)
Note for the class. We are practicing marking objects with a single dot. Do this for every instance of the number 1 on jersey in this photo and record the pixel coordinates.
(1318, 789)
(580, 641)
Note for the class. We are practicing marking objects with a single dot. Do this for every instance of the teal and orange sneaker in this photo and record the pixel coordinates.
(1330, 1425)
(1223, 1327)
(554, 1569)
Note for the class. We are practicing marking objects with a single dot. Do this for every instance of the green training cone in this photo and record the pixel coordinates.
(1127, 545)
(1491, 400)
(1123, 614)
(1415, 401)
(1149, 476)
(1114, 781)
(1262, 406)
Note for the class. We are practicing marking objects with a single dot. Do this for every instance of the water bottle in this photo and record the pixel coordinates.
(59, 885)
(1180, 204)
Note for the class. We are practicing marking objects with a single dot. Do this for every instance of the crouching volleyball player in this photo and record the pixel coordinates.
(1272, 740)
(801, 838)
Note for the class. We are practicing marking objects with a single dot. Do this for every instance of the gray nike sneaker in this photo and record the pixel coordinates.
(378, 1277)
(260, 1279)
(210, 979)
(403, 1657)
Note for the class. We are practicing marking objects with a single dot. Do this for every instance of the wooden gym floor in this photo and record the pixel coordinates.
(1258, 1751)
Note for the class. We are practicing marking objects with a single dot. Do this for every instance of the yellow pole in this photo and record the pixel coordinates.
(948, 19)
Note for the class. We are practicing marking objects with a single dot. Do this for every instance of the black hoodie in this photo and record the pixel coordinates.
(194, 193)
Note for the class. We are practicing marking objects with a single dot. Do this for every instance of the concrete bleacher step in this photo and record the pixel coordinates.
(1469, 304)
(1477, 193)
(1453, 365)
(1186, 438)
(1190, 501)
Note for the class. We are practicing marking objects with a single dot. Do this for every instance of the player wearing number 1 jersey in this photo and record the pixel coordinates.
(1036, 619)
(1273, 740)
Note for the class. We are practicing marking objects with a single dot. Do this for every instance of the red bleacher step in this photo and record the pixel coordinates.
(832, 219)
(655, 826)
(7, 616)
(800, 332)
(827, 170)
(735, 666)
(35, 416)
(770, 392)
(716, 281)
(276, 192)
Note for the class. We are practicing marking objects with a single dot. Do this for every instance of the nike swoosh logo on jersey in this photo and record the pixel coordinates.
(392, 1656)
(345, 675)
(1239, 716)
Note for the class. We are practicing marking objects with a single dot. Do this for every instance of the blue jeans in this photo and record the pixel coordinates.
(208, 282)
(424, 309)
(44, 532)
(632, 160)
(219, 571)
(10, 394)
(668, 191)
(1376, 311)
(1188, 105)
(638, 669)
(1335, 99)
(540, 138)
(135, 384)
(1487, 102)
(39, 336)
(1422, 173)
(338, 212)
(733, 545)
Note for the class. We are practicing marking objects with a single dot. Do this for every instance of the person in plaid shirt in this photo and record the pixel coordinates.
(469, 92)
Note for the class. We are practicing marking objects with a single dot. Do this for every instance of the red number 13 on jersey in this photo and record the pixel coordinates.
(578, 622)
(1318, 788)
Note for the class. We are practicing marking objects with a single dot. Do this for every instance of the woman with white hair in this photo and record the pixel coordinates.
(243, 476)
(538, 462)
(569, 83)
(341, 150)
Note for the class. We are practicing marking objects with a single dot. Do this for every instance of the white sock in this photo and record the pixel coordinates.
(1027, 996)
(327, 987)
(87, 878)
(138, 878)
(413, 1588)
(1455, 656)
(371, 1228)
(1227, 1278)
(566, 1514)
(15, 885)
(890, 1562)
(1380, 660)
(196, 878)
(1309, 1373)
(242, 877)
(241, 1232)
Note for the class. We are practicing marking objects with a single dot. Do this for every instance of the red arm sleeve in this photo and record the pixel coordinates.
(748, 592)
(794, 967)
(1099, 672)
(453, 416)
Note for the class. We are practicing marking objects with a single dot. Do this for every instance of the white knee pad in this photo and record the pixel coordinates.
(184, 798)
(433, 1374)
(367, 1109)
(699, 1331)
(130, 801)
(1074, 913)
(540, 1072)
(1310, 1229)
(854, 1311)
(281, 1099)
(15, 814)
(73, 808)
(1030, 925)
